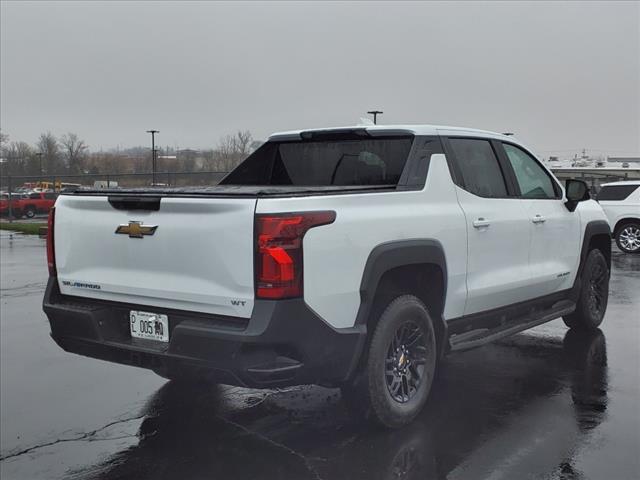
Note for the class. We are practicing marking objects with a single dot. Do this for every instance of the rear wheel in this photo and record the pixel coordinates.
(594, 294)
(628, 237)
(30, 212)
(394, 384)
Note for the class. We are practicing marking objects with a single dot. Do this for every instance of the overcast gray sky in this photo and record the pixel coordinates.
(561, 75)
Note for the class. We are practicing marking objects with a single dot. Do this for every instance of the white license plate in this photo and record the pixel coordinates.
(150, 326)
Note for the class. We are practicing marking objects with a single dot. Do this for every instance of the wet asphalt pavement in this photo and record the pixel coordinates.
(543, 404)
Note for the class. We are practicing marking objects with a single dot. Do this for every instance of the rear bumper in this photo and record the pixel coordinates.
(283, 343)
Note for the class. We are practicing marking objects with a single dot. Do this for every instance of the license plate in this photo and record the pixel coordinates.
(150, 326)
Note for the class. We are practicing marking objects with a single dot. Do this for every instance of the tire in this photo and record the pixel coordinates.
(30, 212)
(393, 385)
(628, 237)
(593, 296)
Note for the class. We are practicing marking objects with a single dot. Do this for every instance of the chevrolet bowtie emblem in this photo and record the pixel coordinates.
(136, 229)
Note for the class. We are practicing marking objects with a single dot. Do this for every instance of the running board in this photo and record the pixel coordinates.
(482, 336)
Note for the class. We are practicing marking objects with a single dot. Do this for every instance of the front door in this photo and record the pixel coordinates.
(555, 231)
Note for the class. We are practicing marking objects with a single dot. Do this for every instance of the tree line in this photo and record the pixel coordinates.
(68, 154)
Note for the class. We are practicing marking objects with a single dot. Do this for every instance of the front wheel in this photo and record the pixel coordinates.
(400, 365)
(594, 294)
(628, 237)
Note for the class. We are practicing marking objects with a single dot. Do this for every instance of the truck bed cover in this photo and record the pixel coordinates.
(248, 191)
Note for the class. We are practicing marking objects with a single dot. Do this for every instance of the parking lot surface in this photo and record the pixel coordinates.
(543, 404)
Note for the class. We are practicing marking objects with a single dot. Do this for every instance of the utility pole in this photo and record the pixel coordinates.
(153, 154)
(375, 114)
(39, 155)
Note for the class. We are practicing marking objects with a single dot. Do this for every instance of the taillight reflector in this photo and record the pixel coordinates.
(278, 266)
(51, 254)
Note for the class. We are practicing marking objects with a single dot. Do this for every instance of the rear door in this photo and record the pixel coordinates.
(497, 227)
(555, 231)
(192, 254)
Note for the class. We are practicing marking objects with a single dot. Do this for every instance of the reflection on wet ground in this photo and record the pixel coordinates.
(476, 422)
(544, 404)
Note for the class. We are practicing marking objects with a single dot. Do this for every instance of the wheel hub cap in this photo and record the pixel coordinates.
(630, 238)
(405, 362)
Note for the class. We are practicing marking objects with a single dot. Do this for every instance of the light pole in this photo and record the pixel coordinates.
(375, 114)
(153, 155)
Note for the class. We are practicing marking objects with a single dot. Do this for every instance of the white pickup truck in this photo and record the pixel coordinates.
(349, 257)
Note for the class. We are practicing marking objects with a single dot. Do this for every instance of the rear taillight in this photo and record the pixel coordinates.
(278, 264)
(51, 254)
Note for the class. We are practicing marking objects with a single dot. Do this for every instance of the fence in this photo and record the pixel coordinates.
(186, 179)
(13, 185)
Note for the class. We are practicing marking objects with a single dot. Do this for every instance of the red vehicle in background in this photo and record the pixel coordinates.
(16, 207)
(36, 202)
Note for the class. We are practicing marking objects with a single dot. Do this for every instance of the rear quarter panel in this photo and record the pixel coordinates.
(335, 255)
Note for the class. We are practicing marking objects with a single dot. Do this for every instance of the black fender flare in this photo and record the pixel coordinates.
(387, 256)
(593, 228)
(390, 255)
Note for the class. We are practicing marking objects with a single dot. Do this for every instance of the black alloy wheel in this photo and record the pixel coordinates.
(405, 361)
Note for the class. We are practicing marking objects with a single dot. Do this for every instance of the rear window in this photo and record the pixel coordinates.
(362, 161)
(616, 192)
(480, 169)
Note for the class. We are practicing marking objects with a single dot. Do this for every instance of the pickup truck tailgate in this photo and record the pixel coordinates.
(199, 257)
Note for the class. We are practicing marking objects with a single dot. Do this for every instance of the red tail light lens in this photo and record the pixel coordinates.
(51, 254)
(279, 251)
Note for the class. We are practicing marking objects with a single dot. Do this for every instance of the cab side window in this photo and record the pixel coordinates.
(616, 192)
(481, 172)
(34, 196)
(533, 180)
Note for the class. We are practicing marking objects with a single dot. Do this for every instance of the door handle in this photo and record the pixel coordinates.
(538, 219)
(481, 223)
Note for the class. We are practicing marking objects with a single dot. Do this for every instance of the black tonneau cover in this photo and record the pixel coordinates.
(230, 191)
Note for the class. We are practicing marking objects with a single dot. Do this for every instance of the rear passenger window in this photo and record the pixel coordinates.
(616, 192)
(479, 166)
(533, 180)
(34, 196)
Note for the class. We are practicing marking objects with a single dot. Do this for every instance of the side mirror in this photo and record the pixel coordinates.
(577, 191)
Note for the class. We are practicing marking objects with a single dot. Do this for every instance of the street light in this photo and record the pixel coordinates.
(153, 154)
(375, 114)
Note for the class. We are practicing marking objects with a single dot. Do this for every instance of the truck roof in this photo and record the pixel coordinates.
(409, 129)
(622, 182)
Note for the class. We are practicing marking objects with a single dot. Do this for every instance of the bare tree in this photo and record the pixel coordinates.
(50, 149)
(243, 142)
(4, 140)
(231, 150)
(75, 151)
(19, 157)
